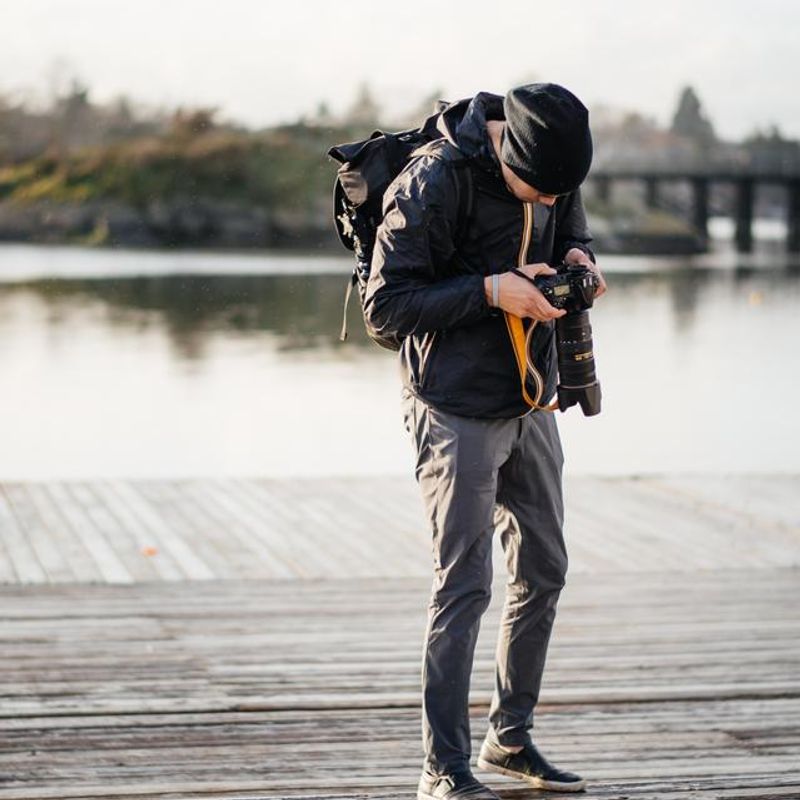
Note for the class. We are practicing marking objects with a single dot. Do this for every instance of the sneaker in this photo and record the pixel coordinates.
(529, 765)
(453, 786)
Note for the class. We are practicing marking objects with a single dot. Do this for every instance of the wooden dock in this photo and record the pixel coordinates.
(114, 531)
(261, 639)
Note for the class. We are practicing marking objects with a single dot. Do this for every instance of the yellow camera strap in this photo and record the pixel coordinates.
(516, 328)
(520, 338)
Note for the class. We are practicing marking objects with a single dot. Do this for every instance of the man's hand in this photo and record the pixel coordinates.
(521, 297)
(577, 256)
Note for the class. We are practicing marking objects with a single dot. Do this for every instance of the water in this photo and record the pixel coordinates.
(223, 364)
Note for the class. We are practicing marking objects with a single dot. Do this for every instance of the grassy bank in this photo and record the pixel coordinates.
(202, 185)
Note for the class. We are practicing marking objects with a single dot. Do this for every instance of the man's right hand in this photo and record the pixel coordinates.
(521, 297)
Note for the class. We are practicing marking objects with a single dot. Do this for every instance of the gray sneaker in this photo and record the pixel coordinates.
(460, 785)
(529, 765)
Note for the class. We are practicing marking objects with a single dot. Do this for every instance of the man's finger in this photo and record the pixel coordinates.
(603, 287)
(541, 309)
(577, 256)
(532, 270)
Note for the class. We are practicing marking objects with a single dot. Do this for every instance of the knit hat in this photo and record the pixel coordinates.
(546, 139)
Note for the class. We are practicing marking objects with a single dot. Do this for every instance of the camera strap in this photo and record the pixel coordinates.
(522, 275)
(520, 338)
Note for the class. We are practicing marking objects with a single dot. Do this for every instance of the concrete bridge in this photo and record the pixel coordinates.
(700, 181)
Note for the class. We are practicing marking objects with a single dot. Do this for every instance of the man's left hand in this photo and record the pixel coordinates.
(577, 256)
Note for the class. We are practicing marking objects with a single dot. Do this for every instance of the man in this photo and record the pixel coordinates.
(487, 457)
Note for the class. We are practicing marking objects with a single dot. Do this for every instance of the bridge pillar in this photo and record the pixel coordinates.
(651, 192)
(700, 206)
(602, 188)
(744, 215)
(793, 217)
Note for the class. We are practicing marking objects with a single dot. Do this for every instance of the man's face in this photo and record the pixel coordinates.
(524, 191)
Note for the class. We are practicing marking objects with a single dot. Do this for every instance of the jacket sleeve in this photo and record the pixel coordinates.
(571, 228)
(408, 292)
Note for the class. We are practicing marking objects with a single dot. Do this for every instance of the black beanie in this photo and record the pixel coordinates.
(546, 138)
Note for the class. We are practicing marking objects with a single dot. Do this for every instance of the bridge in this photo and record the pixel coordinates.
(700, 181)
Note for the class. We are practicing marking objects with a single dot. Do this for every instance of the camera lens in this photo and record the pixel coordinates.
(577, 377)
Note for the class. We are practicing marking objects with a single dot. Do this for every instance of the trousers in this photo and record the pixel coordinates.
(479, 476)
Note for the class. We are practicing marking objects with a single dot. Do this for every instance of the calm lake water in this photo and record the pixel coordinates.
(152, 364)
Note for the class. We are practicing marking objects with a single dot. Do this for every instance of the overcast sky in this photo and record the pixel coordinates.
(263, 62)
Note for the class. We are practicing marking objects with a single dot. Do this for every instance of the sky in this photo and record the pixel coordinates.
(263, 62)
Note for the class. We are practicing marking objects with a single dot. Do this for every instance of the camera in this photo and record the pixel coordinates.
(573, 288)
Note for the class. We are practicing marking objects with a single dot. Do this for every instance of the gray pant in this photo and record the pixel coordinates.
(478, 475)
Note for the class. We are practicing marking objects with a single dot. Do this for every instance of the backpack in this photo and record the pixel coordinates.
(367, 168)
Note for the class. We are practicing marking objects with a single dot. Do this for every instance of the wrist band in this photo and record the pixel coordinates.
(496, 290)
(523, 275)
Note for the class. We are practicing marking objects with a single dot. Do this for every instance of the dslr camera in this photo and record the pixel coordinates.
(573, 288)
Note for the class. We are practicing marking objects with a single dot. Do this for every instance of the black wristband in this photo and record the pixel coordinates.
(522, 275)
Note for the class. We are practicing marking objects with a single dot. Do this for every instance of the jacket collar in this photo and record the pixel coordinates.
(464, 124)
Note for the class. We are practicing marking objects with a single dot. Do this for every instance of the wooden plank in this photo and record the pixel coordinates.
(207, 537)
(71, 547)
(108, 562)
(660, 750)
(139, 532)
(249, 527)
(393, 764)
(181, 551)
(7, 519)
(725, 531)
(22, 558)
(119, 538)
(38, 536)
(351, 553)
(271, 536)
(340, 527)
(356, 644)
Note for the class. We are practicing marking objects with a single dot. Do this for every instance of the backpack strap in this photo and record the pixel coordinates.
(350, 284)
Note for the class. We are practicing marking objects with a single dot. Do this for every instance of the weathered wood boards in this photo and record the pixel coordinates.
(661, 750)
(669, 685)
(127, 531)
(260, 638)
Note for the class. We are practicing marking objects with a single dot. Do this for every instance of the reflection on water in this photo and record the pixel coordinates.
(244, 374)
(302, 311)
(305, 311)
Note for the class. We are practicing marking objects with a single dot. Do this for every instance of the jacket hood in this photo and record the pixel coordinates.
(463, 123)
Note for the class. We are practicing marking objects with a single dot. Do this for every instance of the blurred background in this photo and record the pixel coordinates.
(171, 286)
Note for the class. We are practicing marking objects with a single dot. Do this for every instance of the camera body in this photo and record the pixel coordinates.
(573, 288)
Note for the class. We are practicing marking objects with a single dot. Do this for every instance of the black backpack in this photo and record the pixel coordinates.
(367, 168)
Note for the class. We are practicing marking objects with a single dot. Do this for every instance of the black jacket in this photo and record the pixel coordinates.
(458, 354)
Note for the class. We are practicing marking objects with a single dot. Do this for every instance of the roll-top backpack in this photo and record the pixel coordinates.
(367, 168)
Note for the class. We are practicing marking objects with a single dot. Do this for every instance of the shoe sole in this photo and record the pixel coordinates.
(425, 796)
(536, 782)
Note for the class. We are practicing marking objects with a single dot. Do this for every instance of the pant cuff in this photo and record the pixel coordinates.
(509, 738)
(445, 768)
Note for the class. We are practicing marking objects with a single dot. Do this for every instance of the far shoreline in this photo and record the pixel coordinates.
(31, 261)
